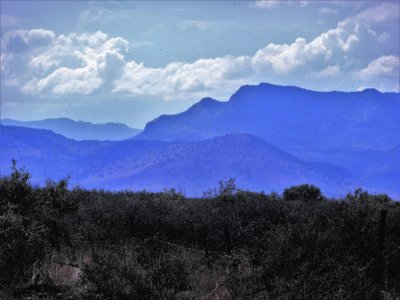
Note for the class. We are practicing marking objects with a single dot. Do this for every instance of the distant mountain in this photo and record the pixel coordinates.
(359, 131)
(292, 118)
(191, 167)
(79, 130)
(267, 137)
(48, 155)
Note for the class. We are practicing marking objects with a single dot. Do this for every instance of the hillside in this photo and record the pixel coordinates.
(191, 167)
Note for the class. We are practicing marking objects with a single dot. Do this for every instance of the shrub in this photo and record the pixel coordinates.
(304, 192)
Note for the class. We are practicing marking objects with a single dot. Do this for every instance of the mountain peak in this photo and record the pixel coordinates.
(205, 102)
(290, 117)
(262, 89)
(371, 91)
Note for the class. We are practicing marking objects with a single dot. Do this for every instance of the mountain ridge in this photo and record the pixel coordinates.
(236, 115)
(79, 130)
(266, 136)
(192, 167)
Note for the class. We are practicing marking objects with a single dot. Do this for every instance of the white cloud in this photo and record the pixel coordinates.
(383, 37)
(268, 4)
(206, 25)
(329, 71)
(380, 13)
(178, 80)
(327, 10)
(384, 66)
(321, 56)
(20, 40)
(4, 58)
(88, 63)
(74, 63)
(272, 4)
(139, 44)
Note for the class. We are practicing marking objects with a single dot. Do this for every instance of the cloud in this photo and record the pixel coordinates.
(4, 60)
(178, 80)
(95, 62)
(381, 13)
(273, 4)
(8, 21)
(384, 66)
(268, 4)
(206, 25)
(68, 64)
(327, 10)
(329, 71)
(21, 39)
(105, 11)
(139, 44)
(324, 56)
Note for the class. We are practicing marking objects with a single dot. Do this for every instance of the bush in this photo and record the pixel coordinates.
(230, 244)
(304, 192)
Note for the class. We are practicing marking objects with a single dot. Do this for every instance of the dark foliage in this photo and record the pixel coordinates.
(304, 192)
(231, 244)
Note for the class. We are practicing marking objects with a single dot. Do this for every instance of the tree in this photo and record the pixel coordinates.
(304, 192)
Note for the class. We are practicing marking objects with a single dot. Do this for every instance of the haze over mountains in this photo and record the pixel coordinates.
(79, 130)
(267, 137)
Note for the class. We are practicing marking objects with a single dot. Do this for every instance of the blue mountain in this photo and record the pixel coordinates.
(359, 131)
(191, 167)
(267, 137)
(291, 118)
(79, 130)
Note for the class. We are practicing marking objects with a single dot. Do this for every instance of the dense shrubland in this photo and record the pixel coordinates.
(232, 244)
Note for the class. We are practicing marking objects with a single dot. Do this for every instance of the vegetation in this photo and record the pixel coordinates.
(232, 244)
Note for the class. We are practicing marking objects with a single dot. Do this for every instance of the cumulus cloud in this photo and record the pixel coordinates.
(21, 39)
(321, 56)
(178, 80)
(329, 71)
(73, 63)
(92, 62)
(384, 66)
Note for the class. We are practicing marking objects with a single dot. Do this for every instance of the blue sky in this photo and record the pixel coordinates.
(126, 61)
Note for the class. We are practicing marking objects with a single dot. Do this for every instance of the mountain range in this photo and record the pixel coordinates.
(191, 167)
(291, 118)
(267, 137)
(79, 130)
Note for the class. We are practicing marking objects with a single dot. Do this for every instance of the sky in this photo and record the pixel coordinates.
(129, 62)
